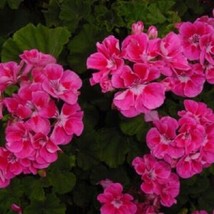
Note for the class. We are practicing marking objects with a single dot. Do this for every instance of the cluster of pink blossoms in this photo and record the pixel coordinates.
(187, 143)
(140, 71)
(41, 113)
(158, 180)
(115, 201)
(146, 66)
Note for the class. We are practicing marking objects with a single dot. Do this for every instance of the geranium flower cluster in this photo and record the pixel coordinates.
(187, 143)
(113, 200)
(38, 105)
(146, 66)
(139, 72)
(158, 179)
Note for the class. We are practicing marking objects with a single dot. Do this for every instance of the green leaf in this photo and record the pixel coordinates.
(72, 12)
(63, 182)
(111, 147)
(86, 160)
(2, 3)
(131, 11)
(44, 39)
(14, 4)
(81, 46)
(132, 126)
(206, 200)
(155, 16)
(83, 193)
(51, 13)
(37, 191)
(50, 205)
(60, 171)
(12, 194)
(165, 5)
(101, 172)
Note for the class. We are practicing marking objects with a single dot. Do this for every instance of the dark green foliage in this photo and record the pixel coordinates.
(69, 29)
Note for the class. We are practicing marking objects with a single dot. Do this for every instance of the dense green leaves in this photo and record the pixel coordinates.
(112, 147)
(73, 12)
(13, 4)
(40, 37)
(50, 205)
(81, 46)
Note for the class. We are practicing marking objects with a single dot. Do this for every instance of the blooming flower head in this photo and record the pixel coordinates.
(140, 94)
(114, 201)
(61, 84)
(190, 34)
(69, 123)
(9, 72)
(160, 139)
(37, 58)
(34, 127)
(187, 83)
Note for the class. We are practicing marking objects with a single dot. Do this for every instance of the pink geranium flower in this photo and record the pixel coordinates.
(37, 58)
(170, 190)
(190, 137)
(189, 165)
(31, 100)
(138, 48)
(19, 139)
(9, 72)
(69, 122)
(199, 212)
(190, 34)
(108, 56)
(137, 27)
(171, 51)
(209, 73)
(107, 60)
(16, 208)
(61, 84)
(140, 95)
(206, 44)
(160, 139)
(187, 83)
(45, 151)
(197, 111)
(207, 147)
(152, 172)
(13, 167)
(114, 201)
